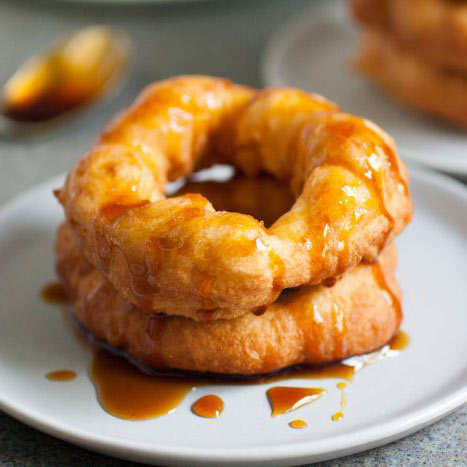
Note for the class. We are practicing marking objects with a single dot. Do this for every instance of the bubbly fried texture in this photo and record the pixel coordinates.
(312, 325)
(180, 255)
(412, 80)
(436, 30)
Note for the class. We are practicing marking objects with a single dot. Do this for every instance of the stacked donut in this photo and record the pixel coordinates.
(417, 51)
(197, 281)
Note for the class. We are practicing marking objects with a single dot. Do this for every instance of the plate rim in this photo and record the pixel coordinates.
(287, 35)
(357, 441)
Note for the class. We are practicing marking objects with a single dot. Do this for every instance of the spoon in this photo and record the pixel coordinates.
(69, 76)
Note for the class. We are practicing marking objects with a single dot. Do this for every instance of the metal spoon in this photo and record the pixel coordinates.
(72, 74)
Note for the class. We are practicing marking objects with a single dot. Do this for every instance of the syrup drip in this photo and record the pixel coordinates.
(371, 174)
(342, 387)
(61, 375)
(278, 268)
(392, 159)
(297, 424)
(55, 293)
(337, 417)
(125, 392)
(209, 406)
(400, 341)
(381, 281)
(285, 399)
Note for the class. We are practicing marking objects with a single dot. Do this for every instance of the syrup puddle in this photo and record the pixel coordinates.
(209, 406)
(61, 375)
(126, 392)
(297, 424)
(284, 399)
(54, 293)
(338, 416)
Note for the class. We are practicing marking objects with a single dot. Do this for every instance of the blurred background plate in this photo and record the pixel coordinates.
(314, 51)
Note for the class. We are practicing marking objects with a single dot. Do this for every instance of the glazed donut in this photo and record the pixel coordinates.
(435, 29)
(312, 326)
(416, 83)
(179, 255)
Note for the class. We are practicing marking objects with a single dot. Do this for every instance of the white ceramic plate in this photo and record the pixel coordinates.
(315, 51)
(388, 400)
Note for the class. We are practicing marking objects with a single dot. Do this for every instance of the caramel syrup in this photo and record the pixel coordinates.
(337, 417)
(61, 375)
(378, 275)
(298, 424)
(209, 406)
(400, 341)
(338, 370)
(342, 387)
(126, 392)
(54, 293)
(284, 399)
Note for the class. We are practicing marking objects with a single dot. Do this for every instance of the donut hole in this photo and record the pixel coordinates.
(262, 197)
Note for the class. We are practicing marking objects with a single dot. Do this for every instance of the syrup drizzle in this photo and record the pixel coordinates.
(371, 173)
(379, 277)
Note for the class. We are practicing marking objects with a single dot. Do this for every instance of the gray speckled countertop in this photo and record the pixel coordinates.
(218, 37)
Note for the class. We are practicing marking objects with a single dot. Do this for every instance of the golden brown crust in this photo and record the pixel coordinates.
(412, 80)
(313, 325)
(183, 257)
(436, 30)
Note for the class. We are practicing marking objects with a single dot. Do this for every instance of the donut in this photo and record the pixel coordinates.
(309, 326)
(436, 30)
(179, 255)
(416, 82)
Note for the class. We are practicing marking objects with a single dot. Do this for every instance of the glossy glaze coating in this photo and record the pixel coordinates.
(181, 256)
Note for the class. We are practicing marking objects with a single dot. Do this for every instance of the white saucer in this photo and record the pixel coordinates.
(388, 400)
(315, 50)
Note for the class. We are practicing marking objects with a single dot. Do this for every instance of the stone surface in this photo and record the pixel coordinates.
(221, 37)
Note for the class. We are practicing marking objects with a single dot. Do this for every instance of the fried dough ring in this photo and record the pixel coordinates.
(314, 325)
(434, 29)
(182, 257)
(416, 83)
